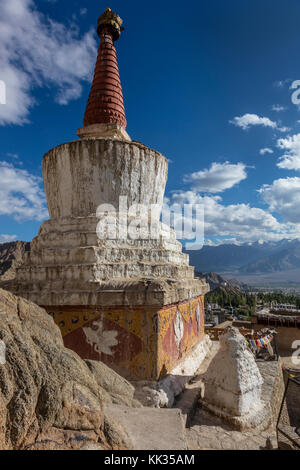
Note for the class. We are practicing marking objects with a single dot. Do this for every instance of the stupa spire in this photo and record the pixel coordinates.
(105, 112)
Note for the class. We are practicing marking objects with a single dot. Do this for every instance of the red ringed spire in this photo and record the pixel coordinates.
(105, 104)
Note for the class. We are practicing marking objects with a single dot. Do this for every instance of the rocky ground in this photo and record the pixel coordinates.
(208, 432)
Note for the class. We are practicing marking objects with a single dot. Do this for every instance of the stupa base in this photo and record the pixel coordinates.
(140, 343)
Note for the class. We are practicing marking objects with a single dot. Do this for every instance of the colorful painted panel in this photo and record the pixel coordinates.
(138, 343)
(182, 328)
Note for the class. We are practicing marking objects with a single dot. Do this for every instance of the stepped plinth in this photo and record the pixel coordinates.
(132, 303)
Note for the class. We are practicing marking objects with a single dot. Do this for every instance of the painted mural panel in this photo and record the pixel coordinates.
(125, 339)
(138, 343)
(184, 327)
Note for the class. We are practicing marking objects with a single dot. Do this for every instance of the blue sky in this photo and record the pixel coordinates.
(207, 84)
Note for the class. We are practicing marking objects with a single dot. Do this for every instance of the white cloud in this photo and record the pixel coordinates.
(229, 241)
(242, 223)
(7, 238)
(222, 241)
(21, 194)
(218, 177)
(284, 129)
(239, 222)
(266, 150)
(248, 120)
(36, 51)
(283, 197)
(278, 108)
(291, 159)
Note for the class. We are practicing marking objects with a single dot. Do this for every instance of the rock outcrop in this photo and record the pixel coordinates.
(117, 390)
(49, 397)
(11, 257)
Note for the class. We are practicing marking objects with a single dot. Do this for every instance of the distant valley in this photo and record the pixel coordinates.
(272, 264)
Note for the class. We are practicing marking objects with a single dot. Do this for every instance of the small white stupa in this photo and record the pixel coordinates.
(233, 384)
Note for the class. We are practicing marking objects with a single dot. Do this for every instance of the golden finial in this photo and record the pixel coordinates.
(112, 21)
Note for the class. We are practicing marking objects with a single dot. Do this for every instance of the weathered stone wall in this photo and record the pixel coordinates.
(273, 386)
(81, 175)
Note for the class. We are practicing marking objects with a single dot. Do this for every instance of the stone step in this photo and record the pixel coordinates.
(153, 293)
(150, 428)
(95, 286)
(109, 255)
(90, 225)
(84, 238)
(103, 272)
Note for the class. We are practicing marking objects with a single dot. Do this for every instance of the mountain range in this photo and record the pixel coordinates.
(255, 258)
(217, 282)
